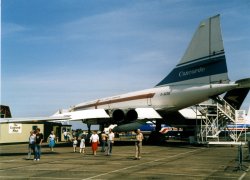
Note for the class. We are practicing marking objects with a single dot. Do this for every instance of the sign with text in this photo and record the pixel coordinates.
(240, 116)
(15, 128)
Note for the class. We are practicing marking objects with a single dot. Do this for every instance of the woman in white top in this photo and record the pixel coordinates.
(94, 140)
(31, 147)
(52, 140)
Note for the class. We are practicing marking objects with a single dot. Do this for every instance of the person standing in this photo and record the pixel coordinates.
(52, 140)
(104, 141)
(138, 144)
(94, 140)
(65, 134)
(32, 139)
(38, 143)
(75, 144)
(111, 137)
(82, 145)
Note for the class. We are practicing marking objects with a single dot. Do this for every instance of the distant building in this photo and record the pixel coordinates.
(19, 132)
(5, 111)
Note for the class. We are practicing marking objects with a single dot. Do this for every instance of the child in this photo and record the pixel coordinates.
(82, 145)
(74, 144)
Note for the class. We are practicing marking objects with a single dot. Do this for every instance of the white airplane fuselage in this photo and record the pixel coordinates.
(166, 97)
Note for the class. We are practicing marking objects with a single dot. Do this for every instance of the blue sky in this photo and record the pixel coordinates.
(57, 53)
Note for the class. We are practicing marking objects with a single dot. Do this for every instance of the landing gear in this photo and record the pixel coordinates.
(89, 133)
(156, 138)
(89, 126)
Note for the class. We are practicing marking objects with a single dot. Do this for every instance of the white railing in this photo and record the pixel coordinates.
(212, 119)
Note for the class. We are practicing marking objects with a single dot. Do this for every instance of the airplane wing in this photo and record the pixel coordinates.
(85, 114)
(90, 116)
(99, 116)
(32, 119)
(147, 113)
(68, 116)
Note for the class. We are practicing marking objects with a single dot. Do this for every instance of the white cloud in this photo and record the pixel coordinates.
(11, 28)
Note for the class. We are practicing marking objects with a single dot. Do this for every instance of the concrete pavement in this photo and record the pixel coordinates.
(172, 161)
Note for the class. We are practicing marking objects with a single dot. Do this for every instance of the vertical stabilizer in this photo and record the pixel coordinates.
(204, 61)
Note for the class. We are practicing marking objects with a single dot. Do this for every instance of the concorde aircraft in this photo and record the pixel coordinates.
(200, 74)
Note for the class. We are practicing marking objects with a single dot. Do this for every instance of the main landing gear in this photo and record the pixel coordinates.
(156, 138)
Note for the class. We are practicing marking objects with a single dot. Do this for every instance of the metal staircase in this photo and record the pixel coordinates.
(212, 119)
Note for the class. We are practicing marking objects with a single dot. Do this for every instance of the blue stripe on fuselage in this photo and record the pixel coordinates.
(196, 69)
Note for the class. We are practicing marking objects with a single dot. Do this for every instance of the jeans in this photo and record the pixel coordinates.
(37, 151)
(103, 145)
(31, 149)
(110, 145)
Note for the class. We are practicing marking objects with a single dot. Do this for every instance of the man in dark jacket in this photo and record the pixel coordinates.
(38, 143)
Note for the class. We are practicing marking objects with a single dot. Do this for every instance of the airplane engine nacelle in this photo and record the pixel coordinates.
(119, 115)
(131, 115)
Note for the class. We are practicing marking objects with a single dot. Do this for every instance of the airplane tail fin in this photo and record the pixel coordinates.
(204, 61)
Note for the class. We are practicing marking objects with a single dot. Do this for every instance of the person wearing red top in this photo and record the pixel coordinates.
(94, 140)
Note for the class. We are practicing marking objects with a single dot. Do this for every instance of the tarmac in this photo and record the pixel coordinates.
(169, 161)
